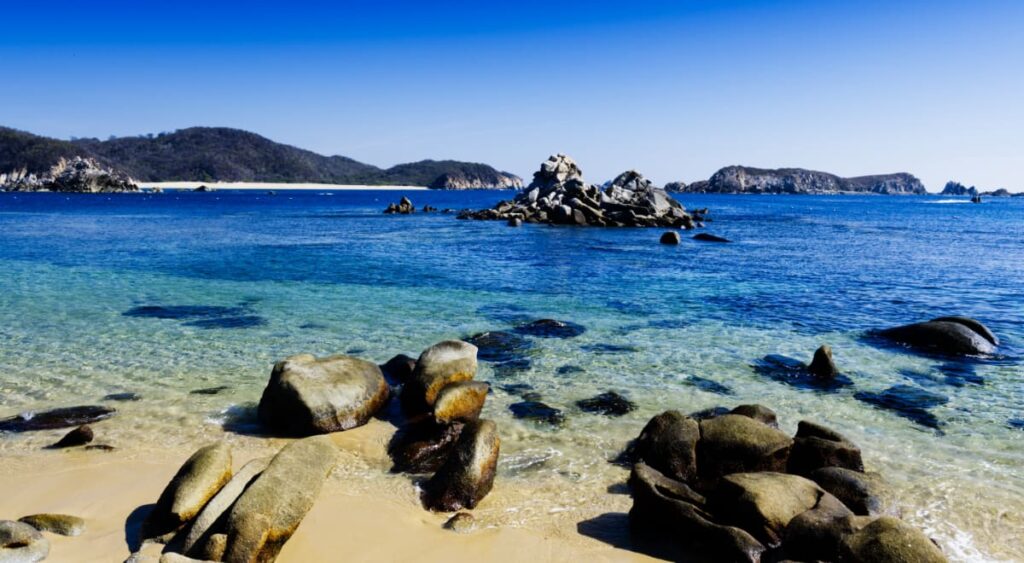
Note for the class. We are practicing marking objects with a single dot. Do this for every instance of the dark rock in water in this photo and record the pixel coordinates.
(670, 237)
(732, 443)
(816, 446)
(822, 365)
(243, 321)
(398, 369)
(21, 543)
(515, 222)
(100, 447)
(65, 417)
(668, 443)
(861, 492)
(568, 369)
(759, 413)
(209, 390)
(665, 508)
(609, 349)
(708, 237)
(610, 403)
(505, 313)
(550, 328)
(204, 188)
(122, 397)
(907, 401)
(764, 503)
(1017, 423)
(708, 385)
(312, 326)
(182, 311)
(710, 412)
(422, 447)
(537, 412)
(511, 368)
(355, 351)
(798, 374)
(403, 207)
(468, 474)
(308, 395)
(951, 336)
(958, 374)
(77, 437)
(516, 388)
(500, 346)
(890, 540)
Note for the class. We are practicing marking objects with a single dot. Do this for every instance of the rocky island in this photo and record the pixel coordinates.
(82, 175)
(748, 180)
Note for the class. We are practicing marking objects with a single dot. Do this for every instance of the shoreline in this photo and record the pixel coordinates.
(273, 186)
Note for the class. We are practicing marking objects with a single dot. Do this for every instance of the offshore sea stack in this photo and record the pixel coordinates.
(79, 174)
(559, 195)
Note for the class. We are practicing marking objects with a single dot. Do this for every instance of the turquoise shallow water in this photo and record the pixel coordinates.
(319, 273)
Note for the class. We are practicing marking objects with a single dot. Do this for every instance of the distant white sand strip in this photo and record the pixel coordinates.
(267, 186)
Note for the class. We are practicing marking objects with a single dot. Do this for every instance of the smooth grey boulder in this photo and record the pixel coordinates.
(864, 493)
(668, 443)
(461, 401)
(203, 525)
(946, 335)
(440, 365)
(62, 524)
(21, 543)
(733, 443)
(197, 481)
(468, 474)
(816, 446)
(274, 504)
(764, 503)
(308, 395)
(665, 508)
(890, 540)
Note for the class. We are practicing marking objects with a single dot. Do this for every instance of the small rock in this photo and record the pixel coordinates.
(21, 543)
(461, 401)
(122, 397)
(461, 522)
(209, 390)
(63, 524)
(100, 447)
(77, 437)
(609, 403)
(822, 365)
(171, 557)
(907, 401)
(468, 474)
(669, 237)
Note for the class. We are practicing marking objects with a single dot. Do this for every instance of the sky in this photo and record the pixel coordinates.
(675, 90)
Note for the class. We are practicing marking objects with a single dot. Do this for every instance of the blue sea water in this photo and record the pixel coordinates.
(164, 294)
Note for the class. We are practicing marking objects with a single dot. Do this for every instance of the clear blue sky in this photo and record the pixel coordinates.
(673, 89)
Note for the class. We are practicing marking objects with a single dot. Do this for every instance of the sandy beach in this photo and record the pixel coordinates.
(269, 186)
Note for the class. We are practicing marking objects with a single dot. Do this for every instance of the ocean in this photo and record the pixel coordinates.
(164, 294)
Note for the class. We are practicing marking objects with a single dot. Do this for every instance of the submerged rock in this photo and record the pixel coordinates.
(705, 384)
(468, 474)
(945, 335)
(708, 237)
(550, 328)
(609, 403)
(907, 401)
(62, 524)
(820, 375)
(537, 412)
(440, 365)
(52, 419)
(307, 395)
(122, 397)
(266, 515)
(202, 475)
(77, 437)
(21, 543)
(499, 346)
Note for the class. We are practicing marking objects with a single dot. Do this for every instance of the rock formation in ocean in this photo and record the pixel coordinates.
(675, 187)
(748, 180)
(951, 336)
(78, 174)
(477, 180)
(558, 194)
(956, 188)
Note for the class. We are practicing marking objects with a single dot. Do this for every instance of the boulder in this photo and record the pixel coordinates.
(668, 443)
(468, 474)
(422, 447)
(609, 403)
(77, 437)
(732, 443)
(64, 417)
(816, 534)
(21, 543)
(821, 365)
(816, 446)
(440, 365)
(203, 525)
(308, 395)
(666, 508)
(889, 540)
(864, 493)
(670, 237)
(398, 369)
(62, 524)
(196, 482)
(764, 503)
(461, 401)
(271, 508)
(945, 335)
(759, 413)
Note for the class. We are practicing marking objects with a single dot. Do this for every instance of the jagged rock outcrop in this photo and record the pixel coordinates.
(675, 187)
(403, 207)
(956, 188)
(558, 194)
(745, 179)
(479, 180)
(79, 174)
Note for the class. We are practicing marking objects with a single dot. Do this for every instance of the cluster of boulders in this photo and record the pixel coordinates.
(76, 175)
(405, 207)
(731, 485)
(558, 194)
(210, 513)
(23, 542)
(444, 433)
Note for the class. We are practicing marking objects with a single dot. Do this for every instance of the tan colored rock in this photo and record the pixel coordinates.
(764, 503)
(890, 540)
(444, 363)
(733, 443)
(308, 395)
(273, 506)
(203, 526)
(461, 401)
(468, 474)
(171, 557)
(202, 475)
(63, 524)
